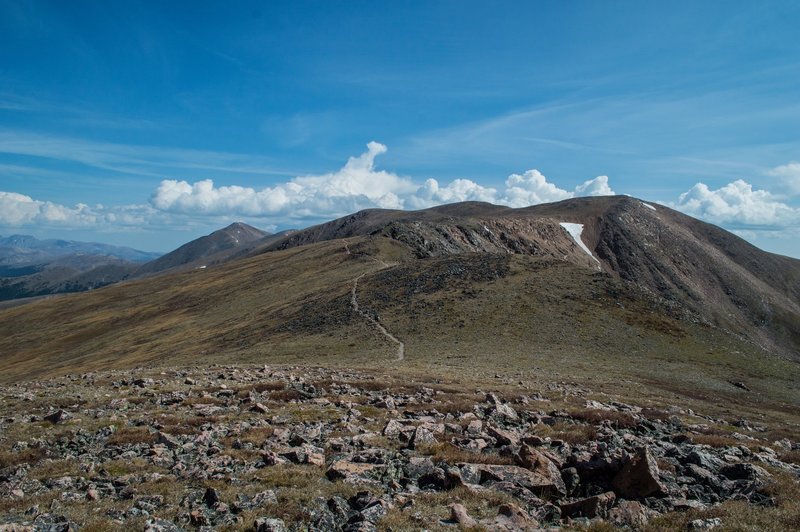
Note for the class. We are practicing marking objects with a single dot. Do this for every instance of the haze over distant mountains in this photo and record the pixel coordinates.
(30, 267)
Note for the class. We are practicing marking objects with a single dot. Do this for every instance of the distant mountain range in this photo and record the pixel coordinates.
(23, 250)
(30, 267)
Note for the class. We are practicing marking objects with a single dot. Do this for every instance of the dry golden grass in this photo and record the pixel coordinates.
(132, 435)
(297, 486)
(449, 453)
(431, 508)
(26, 456)
(265, 387)
(792, 457)
(203, 400)
(54, 468)
(572, 433)
(256, 435)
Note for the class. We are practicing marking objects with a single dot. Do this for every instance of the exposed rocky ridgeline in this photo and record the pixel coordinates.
(273, 448)
(710, 272)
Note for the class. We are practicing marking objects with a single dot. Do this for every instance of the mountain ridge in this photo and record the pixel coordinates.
(441, 283)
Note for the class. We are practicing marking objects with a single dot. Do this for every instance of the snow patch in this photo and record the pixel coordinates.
(575, 231)
(648, 205)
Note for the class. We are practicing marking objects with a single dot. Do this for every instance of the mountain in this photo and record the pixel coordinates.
(17, 250)
(30, 267)
(208, 250)
(700, 269)
(659, 298)
(594, 356)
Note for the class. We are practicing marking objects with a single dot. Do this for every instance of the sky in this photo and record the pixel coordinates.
(148, 124)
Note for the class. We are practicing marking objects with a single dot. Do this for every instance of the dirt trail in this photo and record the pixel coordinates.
(401, 347)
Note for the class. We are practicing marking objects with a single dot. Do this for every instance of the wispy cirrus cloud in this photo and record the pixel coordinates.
(132, 159)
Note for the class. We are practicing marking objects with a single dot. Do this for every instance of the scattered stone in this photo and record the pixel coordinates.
(258, 407)
(639, 477)
(630, 514)
(740, 384)
(269, 524)
(422, 436)
(393, 428)
(512, 517)
(211, 497)
(345, 470)
(187, 435)
(596, 506)
(59, 416)
(705, 524)
(459, 515)
(542, 466)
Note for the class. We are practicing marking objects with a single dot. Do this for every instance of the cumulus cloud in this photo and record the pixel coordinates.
(737, 203)
(357, 185)
(431, 193)
(531, 188)
(789, 176)
(18, 210)
(595, 187)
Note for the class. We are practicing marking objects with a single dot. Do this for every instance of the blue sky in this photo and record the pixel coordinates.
(148, 125)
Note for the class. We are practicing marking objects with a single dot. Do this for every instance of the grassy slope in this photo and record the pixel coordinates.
(466, 317)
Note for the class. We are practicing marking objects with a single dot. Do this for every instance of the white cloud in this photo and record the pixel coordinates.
(736, 203)
(431, 193)
(789, 175)
(18, 209)
(531, 188)
(355, 186)
(595, 187)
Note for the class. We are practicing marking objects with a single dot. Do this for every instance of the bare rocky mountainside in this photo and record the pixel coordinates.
(598, 363)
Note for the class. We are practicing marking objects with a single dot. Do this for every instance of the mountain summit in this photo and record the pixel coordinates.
(207, 250)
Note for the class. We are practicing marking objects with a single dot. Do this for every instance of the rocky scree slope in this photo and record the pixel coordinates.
(291, 448)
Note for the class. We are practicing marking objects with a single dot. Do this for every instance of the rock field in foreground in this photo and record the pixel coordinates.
(271, 448)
